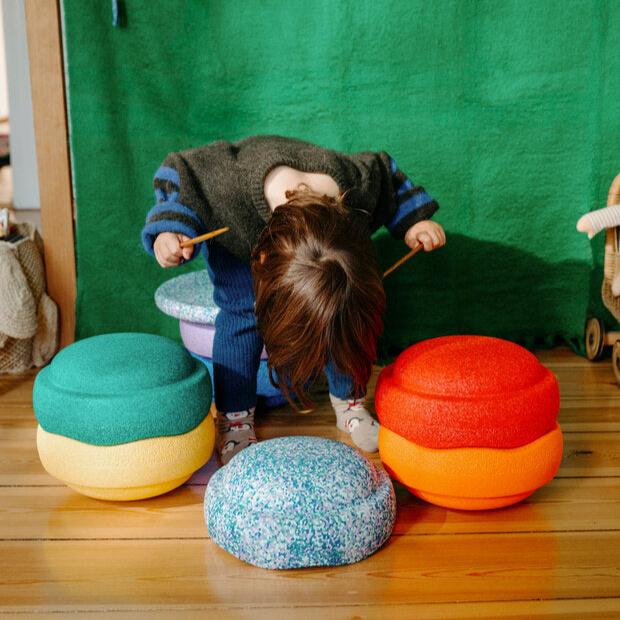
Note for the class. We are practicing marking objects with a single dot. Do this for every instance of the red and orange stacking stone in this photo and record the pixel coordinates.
(469, 422)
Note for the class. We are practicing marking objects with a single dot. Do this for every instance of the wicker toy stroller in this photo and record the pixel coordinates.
(596, 336)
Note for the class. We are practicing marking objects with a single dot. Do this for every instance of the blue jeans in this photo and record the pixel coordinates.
(237, 345)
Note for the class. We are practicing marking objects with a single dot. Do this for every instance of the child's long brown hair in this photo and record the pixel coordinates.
(318, 293)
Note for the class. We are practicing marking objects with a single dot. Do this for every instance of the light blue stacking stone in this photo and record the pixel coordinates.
(294, 502)
(188, 297)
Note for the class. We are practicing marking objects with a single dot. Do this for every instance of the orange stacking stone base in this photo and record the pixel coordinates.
(471, 478)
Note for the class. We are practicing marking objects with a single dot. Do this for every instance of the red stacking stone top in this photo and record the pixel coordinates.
(467, 391)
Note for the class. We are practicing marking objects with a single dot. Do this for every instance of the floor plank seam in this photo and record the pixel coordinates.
(392, 536)
(205, 484)
(268, 606)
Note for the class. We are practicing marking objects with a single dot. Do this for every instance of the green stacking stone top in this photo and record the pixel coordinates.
(120, 363)
(117, 388)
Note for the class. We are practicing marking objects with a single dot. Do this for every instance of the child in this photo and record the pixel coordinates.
(296, 272)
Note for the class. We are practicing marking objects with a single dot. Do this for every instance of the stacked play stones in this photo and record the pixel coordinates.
(123, 416)
(189, 298)
(469, 422)
(294, 502)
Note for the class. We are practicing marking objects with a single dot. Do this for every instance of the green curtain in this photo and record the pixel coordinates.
(506, 111)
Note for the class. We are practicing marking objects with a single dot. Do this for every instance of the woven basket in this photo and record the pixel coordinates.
(28, 317)
(16, 355)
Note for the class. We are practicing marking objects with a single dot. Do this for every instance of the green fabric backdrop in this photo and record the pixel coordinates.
(507, 112)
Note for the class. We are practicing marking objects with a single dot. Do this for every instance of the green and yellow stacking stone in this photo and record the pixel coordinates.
(123, 416)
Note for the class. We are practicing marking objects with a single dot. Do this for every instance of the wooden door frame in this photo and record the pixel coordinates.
(47, 79)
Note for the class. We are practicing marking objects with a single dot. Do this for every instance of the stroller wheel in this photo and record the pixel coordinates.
(615, 360)
(595, 338)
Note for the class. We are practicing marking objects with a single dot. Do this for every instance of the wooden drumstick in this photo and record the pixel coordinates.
(213, 233)
(406, 257)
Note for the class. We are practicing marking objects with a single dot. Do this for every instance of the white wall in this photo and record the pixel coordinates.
(23, 154)
(4, 96)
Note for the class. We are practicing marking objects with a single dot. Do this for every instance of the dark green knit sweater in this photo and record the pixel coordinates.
(222, 184)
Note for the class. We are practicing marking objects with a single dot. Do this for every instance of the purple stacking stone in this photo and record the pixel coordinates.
(198, 338)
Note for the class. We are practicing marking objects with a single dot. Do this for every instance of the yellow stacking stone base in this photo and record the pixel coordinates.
(122, 494)
(128, 471)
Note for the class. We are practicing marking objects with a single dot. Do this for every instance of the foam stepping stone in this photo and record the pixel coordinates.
(295, 502)
(472, 478)
(123, 416)
(198, 338)
(189, 298)
(469, 422)
(459, 391)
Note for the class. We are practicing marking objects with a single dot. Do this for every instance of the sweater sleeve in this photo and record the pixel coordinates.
(171, 212)
(392, 199)
(411, 203)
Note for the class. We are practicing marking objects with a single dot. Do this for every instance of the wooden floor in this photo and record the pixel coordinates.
(556, 555)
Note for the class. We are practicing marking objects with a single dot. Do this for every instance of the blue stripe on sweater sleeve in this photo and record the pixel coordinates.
(165, 173)
(402, 185)
(415, 202)
(162, 196)
(407, 184)
(169, 215)
(178, 208)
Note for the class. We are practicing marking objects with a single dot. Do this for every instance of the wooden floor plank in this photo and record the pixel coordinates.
(54, 513)
(408, 570)
(17, 389)
(586, 454)
(567, 609)
(556, 555)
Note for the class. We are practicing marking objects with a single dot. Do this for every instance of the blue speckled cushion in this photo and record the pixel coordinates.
(188, 297)
(294, 502)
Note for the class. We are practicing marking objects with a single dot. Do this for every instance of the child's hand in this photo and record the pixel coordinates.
(585, 225)
(168, 250)
(430, 234)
